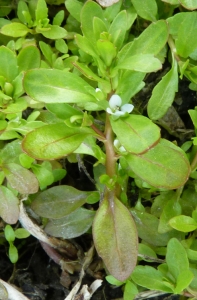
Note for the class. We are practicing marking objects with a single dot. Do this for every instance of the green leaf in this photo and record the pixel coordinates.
(61, 46)
(9, 233)
(54, 32)
(113, 280)
(59, 18)
(140, 62)
(13, 253)
(44, 176)
(89, 11)
(55, 141)
(176, 258)
(146, 9)
(15, 29)
(118, 29)
(171, 209)
(115, 237)
(107, 51)
(150, 278)
(63, 110)
(8, 64)
(146, 251)
(163, 166)
(99, 27)
(28, 58)
(74, 8)
(58, 201)
(9, 206)
(85, 45)
(151, 41)
(163, 94)
(147, 226)
(21, 233)
(56, 86)
(71, 226)
(22, 7)
(185, 44)
(189, 4)
(41, 10)
(183, 223)
(20, 178)
(183, 281)
(130, 291)
(136, 133)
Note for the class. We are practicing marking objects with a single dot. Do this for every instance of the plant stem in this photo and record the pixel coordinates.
(109, 146)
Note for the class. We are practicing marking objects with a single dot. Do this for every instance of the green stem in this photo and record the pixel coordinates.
(109, 146)
(173, 48)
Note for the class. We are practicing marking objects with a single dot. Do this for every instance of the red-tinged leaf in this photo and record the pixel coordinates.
(54, 141)
(9, 206)
(163, 166)
(115, 237)
(21, 179)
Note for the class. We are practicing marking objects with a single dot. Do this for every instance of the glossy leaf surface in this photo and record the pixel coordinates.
(136, 133)
(58, 201)
(183, 223)
(115, 238)
(163, 166)
(55, 140)
(56, 86)
(71, 226)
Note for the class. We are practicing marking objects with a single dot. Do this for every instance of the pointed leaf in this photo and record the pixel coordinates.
(8, 64)
(163, 166)
(71, 226)
(56, 86)
(9, 206)
(15, 29)
(41, 10)
(176, 258)
(150, 278)
(163, 94)
(115, 238)
(20, 178)
(55, 141)
(151, 41)
(118, 28)
(136, 133)
(58, 201)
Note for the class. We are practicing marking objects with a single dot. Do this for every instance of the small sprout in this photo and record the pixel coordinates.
(116, 109)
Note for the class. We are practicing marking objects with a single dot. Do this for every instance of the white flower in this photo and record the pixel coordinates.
(115, 107)
(119, 147)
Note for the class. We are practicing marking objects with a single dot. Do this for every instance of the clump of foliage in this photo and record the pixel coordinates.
(67, 84)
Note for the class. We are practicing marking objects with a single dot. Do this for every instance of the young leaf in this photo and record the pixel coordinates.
(150, 278)
(58, 201)
(151, 41)
(115, 237)
(118, 29)
(183, 281)
(28, 58)
(183, 223)
(20, 178)
(140, 62)
(146, 9)
(13, 253)
(185, 44)
(71, 226)
(54, 140)
(163, 166)
(189, 4)
(15, 29)
(9, 233)
(41, 10)
(74, 8)
(9, 205)
(21, 233)
(163, 94)
(54, 32)
(56, 86)
(136, 133)
(59, 18)
(8, 64)
(176, 258)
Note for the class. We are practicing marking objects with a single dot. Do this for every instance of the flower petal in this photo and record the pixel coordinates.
(115, 101)
(127, 108)
(109, 111)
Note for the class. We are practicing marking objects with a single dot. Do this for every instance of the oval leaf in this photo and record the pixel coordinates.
(57, 86)
(115, 238)
(146, 9)
(54, 141)
(163, 94)
(9, 206)
(71, 226)
(20, 178)
(58, 201)
(8, 64)
(28, 58)
(163, 166)
(136, 133)
(183, 223)
(189, 4)
(15, 29)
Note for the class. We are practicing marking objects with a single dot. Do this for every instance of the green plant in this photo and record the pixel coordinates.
(80, 96)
